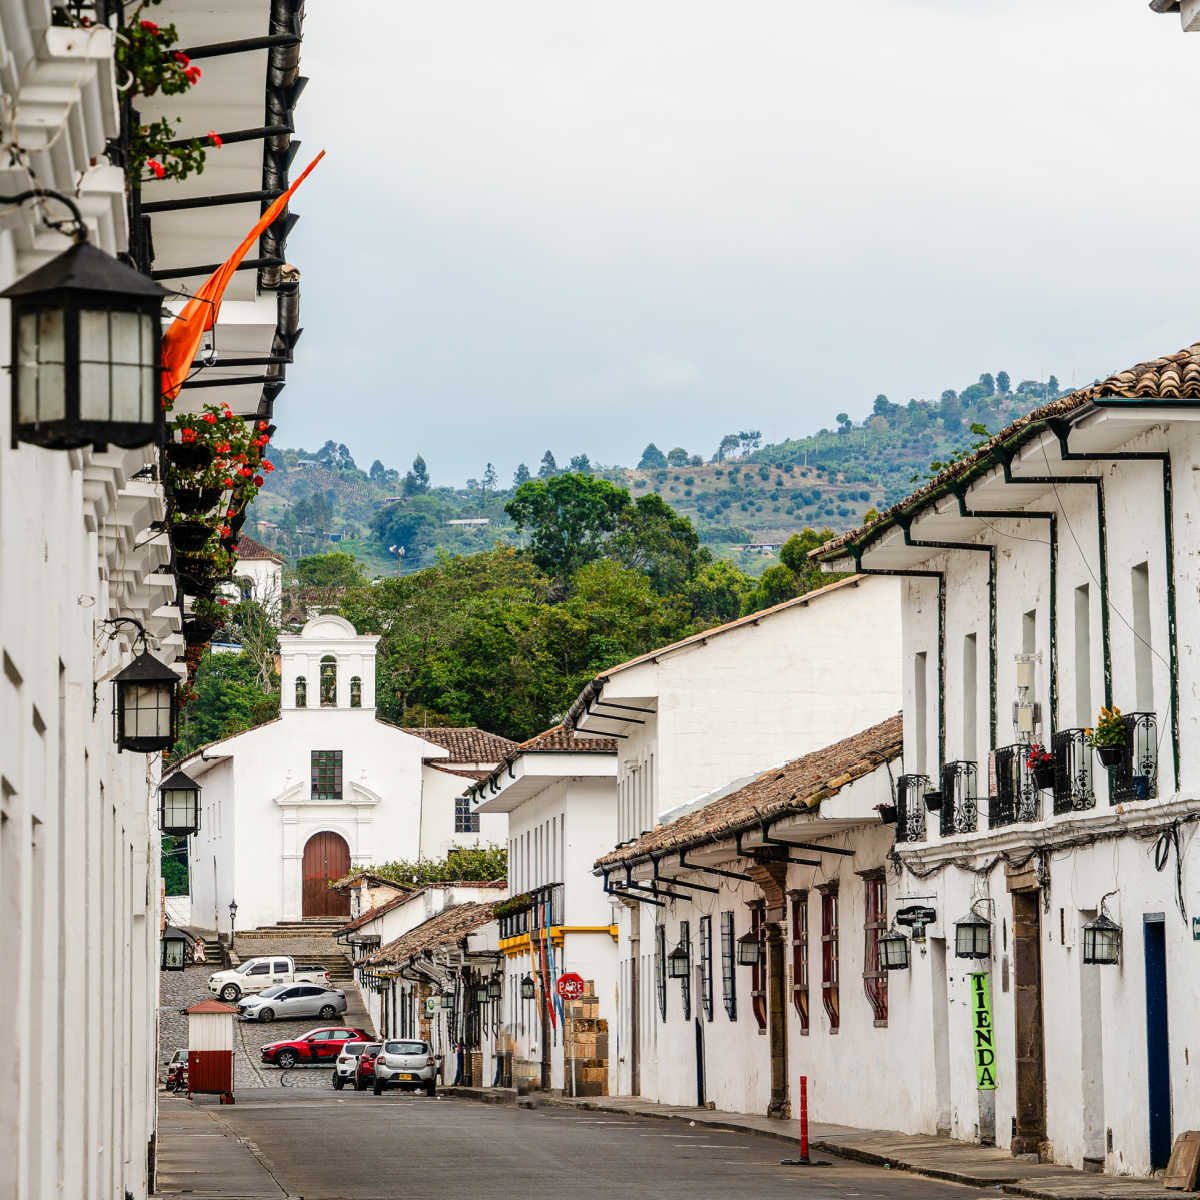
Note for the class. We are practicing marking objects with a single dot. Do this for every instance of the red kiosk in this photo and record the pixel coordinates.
(210, 1049)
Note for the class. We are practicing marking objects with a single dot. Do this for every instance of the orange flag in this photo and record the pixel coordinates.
(181, 342)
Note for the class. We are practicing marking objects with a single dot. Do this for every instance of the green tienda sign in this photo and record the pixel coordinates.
(981, 1024)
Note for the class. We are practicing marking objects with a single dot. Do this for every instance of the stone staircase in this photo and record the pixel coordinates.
(307, 940)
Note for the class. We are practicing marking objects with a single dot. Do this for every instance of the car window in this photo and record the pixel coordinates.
(280, 966)
(371, 1048)
(405, 1048)
(274, 993)
(341, 1035)
(260, 969)
(354, 1048)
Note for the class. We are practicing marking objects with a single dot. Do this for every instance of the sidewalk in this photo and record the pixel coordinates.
(922, 1154)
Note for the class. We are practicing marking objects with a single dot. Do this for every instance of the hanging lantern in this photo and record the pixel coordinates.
(748, 949)
(174, 949)
(179, 805)
(1102, 940)
(528, 988)
(481, 994)
(893, 950)
(145, 706)
(494, 990)
(973, 936)
(679, 962)
(86, 342)
(447, 999)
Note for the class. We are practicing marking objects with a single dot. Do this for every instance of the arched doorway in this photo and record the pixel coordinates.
(326, 858)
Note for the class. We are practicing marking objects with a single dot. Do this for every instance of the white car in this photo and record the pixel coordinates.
(258, 974)
(290, 1000)
(406, 1064)
(345, 1069)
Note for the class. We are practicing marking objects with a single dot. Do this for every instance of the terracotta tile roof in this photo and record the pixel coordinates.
(1172, 377)
(561, 741)
(366, 917)
(476, 775)
(247, 547)
(592, 689)
(796, 786)
(447, 928)
(467, 744)
(370, 876)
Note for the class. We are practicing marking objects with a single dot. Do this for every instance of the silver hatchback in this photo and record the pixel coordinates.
(406, 1064)
(288, 1000)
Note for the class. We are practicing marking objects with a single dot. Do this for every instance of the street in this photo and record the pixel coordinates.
(331, 1145)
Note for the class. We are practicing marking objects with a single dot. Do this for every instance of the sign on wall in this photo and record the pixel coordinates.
(431, 1006)
(983, 1033)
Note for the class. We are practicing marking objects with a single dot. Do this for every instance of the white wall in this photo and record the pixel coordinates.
(438, 833)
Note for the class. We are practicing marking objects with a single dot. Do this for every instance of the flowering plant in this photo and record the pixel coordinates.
(1109, 731)
(1039, 757)
(237, 448)
(214, 610)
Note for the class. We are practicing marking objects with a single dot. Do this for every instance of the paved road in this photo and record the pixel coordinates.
(325, 1147)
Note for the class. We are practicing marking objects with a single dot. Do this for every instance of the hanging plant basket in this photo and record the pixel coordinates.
(198, 632)
(1110, 756)
(190, 535)
(188, 456)
(236, 523)
(933, 801)
(1043, 777)
(197, 500)
(887, 813)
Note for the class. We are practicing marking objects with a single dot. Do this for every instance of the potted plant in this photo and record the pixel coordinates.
(1040, 762)
(887, 813)
(934, 800)
(206, 617)
(192, 500)
(1108, 738)
(188, 535)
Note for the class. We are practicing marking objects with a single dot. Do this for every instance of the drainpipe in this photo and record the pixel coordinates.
(635, 992)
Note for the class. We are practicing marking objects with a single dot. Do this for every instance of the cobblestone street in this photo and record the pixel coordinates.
(180, 989)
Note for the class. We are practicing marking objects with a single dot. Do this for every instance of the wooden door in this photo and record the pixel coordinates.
(1027, 998)
(326, 858)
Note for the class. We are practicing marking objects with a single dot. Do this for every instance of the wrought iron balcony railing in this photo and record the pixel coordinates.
(960, 798)
(1073, 787)
(1136, 776)
(1012, 796)
(910, 807)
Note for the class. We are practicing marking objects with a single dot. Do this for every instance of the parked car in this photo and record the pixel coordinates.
(345, 1067)
(290, 1000)
(317, 1046)
(408, 1065)
(257, 974)
(365, 1072)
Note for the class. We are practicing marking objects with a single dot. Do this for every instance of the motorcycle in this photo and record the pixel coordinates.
(177, 1080)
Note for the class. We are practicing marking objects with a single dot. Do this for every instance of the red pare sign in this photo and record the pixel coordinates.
(570, 986)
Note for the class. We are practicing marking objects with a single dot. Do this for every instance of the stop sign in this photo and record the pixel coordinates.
(570, 986)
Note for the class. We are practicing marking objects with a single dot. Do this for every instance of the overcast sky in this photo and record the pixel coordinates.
(583, 226)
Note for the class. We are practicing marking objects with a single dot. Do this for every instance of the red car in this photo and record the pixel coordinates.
(317, 1046)
(364, 1072)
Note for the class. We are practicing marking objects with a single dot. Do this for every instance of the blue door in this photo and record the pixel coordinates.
(1158, 1064)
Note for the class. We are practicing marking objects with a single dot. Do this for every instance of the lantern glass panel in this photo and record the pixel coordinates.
(893, 951)
(494, 990)
(180, 810)
(747, 950)
(973, 938)
(41, 355)
(677, 963)
(173, 954)
(447, 1000)
(147, 709)
(1102, 941)
(481, 994)
(527, 988)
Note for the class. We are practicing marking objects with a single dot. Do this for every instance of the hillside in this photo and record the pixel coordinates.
(741, 494)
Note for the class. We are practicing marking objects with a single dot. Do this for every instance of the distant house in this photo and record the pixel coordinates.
(763, 547)
(470, 521)
(260, 573)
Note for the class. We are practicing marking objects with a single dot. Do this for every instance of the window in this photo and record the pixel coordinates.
(758, 972)
(355, 692)
(660, 969)
(281, 966)
(706, 967)
(327, 774)
(875, 922)
(260, 969)
(302, 693)
(685, 934)
(329, 681)
(829, 955)
(800, 957)
(1084, 713)
(465, 821)
(920, 705)
(970, 697)
(728, 967)
(1143, 648)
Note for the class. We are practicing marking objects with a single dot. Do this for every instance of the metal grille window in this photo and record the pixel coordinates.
(829, 956)
(660, 969)
(800, 957)
(685, 933)
(1136, 776)
(728, 967)
(960, 798)
(1012, 796)
(465, 821)
(874, 976)
(910, 807)
(326, 774)
(706, 967)
(1073, 788)
(758, 972)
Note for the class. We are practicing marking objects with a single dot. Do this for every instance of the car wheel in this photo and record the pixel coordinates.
(266, 1014)
(377, 1088)
(360, 1084)
(285, 1059)
(230, 992)
(431, 1089)
(327, 1012)
(338, 1082)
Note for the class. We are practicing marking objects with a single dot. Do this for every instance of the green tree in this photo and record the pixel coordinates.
(653, 459)
(416, 482)
(520, 475)
(414, 524)
(717, 592)
(581, 464)
(335, 569)
(468, 864)
(988, 383)
(651, 537)
(1052, 386)
(795, 574)
(728, 442)
(548, 467)
(568, 519)
(1003, 383)
(228, 700)
(488, 483)
(378, 472)
(678, 457)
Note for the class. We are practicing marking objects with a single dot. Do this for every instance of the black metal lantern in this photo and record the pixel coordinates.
(87, 350)
(893, 950)
(179, 805)
(679, 962)
(494, 990)
(748, 949)
(528, 988)
(174, 949)
(481, 993)
(973, 936)
(145, 705)
(1102, 937)
(447, 999)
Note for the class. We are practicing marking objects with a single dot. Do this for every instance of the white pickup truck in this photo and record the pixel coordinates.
(255, 974)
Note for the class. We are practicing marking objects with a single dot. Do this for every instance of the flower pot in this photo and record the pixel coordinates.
(190, 536)
(887, 813)
(197, 500)
(1110, 756)
(933, 801)
(188, 456)
(1043, 777)
(197, 631)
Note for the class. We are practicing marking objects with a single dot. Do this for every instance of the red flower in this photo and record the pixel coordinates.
(192, 73)
(222, 601)
(226, 531)
(223, 448)
(227, 482)
(211, 418)
(189, 435)
(268, 467)
(258, 481)
(180, 57)
(227, 415)
(157, 167)
(262, 425)
(231, 512)
(215, 138)
(246, 472)
(150, 25)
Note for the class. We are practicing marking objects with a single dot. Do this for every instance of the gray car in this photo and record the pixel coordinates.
(289, 1000)
(406, 1064)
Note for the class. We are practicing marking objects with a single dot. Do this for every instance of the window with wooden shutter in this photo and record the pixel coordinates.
(758, 977)
(829, 955)
(800, 957)
(728, 966)
(660, 969)
(875, 922)
(706, 967)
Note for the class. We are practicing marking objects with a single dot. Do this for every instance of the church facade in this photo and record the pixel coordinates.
(296, 803)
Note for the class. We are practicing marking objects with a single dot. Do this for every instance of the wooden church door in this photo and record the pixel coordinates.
(326, 858)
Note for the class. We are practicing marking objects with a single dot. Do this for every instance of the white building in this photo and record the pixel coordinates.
(291, 806)
(559, 794)
(260, 574)
(1052, 572)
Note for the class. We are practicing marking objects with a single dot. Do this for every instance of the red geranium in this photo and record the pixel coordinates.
(215, 138)
(150, 26)
(157, 167)
(188, 435)
(227, 482)
(211, 418)
(262, 425)
(268, 467)
(258, 481)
